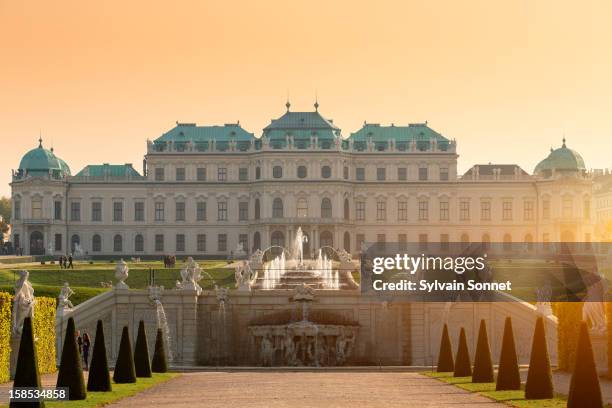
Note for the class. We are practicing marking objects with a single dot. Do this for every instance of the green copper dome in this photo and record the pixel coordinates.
(562, 159)
(40, 161)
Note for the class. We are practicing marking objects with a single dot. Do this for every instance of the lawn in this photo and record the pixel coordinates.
(511, 398)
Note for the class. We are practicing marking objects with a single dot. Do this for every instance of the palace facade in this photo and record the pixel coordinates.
(211, 190)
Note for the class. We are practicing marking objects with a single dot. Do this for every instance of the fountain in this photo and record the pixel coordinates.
(222, 295)
(155, 295)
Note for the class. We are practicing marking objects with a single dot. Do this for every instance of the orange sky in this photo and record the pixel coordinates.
(506, 79)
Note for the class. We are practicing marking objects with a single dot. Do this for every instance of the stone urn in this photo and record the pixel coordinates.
(121, 274)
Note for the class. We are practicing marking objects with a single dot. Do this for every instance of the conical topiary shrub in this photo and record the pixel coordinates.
(124, 367)
(445, 357)
(584, 389)
(483, 364)
(539, 377)
(463, 365)
(508, 375)
(70, 370)
(99, 376)
(159, 363)
(141, 353)
(26, 370)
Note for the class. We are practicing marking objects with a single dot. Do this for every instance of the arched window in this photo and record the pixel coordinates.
(257, 209)
(278, 238)
(257, 173)
(347, 212)
(75, 241)
(326, 208)
(96, 243)
(277, 208)
(507, 242)
(117, 243)
(37, 243)
(465, 238)
(256, 241)
(529, 241)
(302, 172)
(325, 172)
(326, 239)
(139, 243)
(302, 208)
(277, 172)
(347, 241)
(486, 241)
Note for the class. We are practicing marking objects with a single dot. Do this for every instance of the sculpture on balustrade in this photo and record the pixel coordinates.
(245, 276)
(191, 274)
(121, 274)
(23, 302)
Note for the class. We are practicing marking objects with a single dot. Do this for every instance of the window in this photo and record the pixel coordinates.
(243, 211)
(507, 210)
(17, 211)
(159, 211)
(222, 174)
(96, 211)
(507, 245)
(180, 211)
(587, 209)
(347, 210)
(57, 210)
(567, 207)
(402, 240)
(159, 242)
(443, 173)
(222, 242)
(277, 172)
(360, 210)
(277, 238)
(444, 245)
(360, 173)
(222, 211)
(201, 173)
(423, 240)
(345, 172)
(277, 208)
(423, 173)
(381, 210)
(159, 174)
(360, 242)
(302, 172)
(201, 242)
(243, 241)
(423, 210)
(381, 174)
(180, 242)
(546, 209)
(402, 174)
(139, 211)
(528, 210)
(117, 243)
(257, 214)
(444, 210)
(139, 243)
(96, 243)
(326, 208)
(243, 174)
(464, 210)
(257, 173)
(381, 238)
(325, 172)
(302, 207)
(118, 211)
(180, 174)
(37, 208)
(485, 210)
(201, 211)
(402, 210)
(75, 211)
(58, 242)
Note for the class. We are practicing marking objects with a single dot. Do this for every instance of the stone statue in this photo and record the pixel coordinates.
(267, 351)
(121, 274)
(543, 296)
(23, 302)
(344, 347)
(78, 251)
(191, 273)
(289, 350)
(300, 240)
(245, 276)
(222, 294)
(63, 299)
(593, 311)
(50, 249)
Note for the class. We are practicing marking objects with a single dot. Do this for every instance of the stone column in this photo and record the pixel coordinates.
(189, 300)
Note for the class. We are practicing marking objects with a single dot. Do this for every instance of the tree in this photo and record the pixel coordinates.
(141, 353)
(463, 365)
(445, 357)
(584, 391)
(483, 365)
(6, 208)
(508, 375)
(159, 363)
(71, 371)
(125, 373)
(26, 370)
(99, 376)
(539, 377)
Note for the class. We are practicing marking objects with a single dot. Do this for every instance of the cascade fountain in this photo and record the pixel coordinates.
(155, 294)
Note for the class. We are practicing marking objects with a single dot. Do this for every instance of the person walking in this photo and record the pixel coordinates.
(70, 262)
(86, 344)
(79, 341)
(61, 261)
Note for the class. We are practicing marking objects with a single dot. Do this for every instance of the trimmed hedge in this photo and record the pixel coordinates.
(26, 371)
(584, 391)
(483, 364)
(44, 333)
(609, 323)
(445, 356)
(569, 315)
(142, 363)
(159, 363)
(463, 364)
(539, 383)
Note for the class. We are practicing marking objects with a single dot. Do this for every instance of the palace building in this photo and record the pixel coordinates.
(208, 191)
